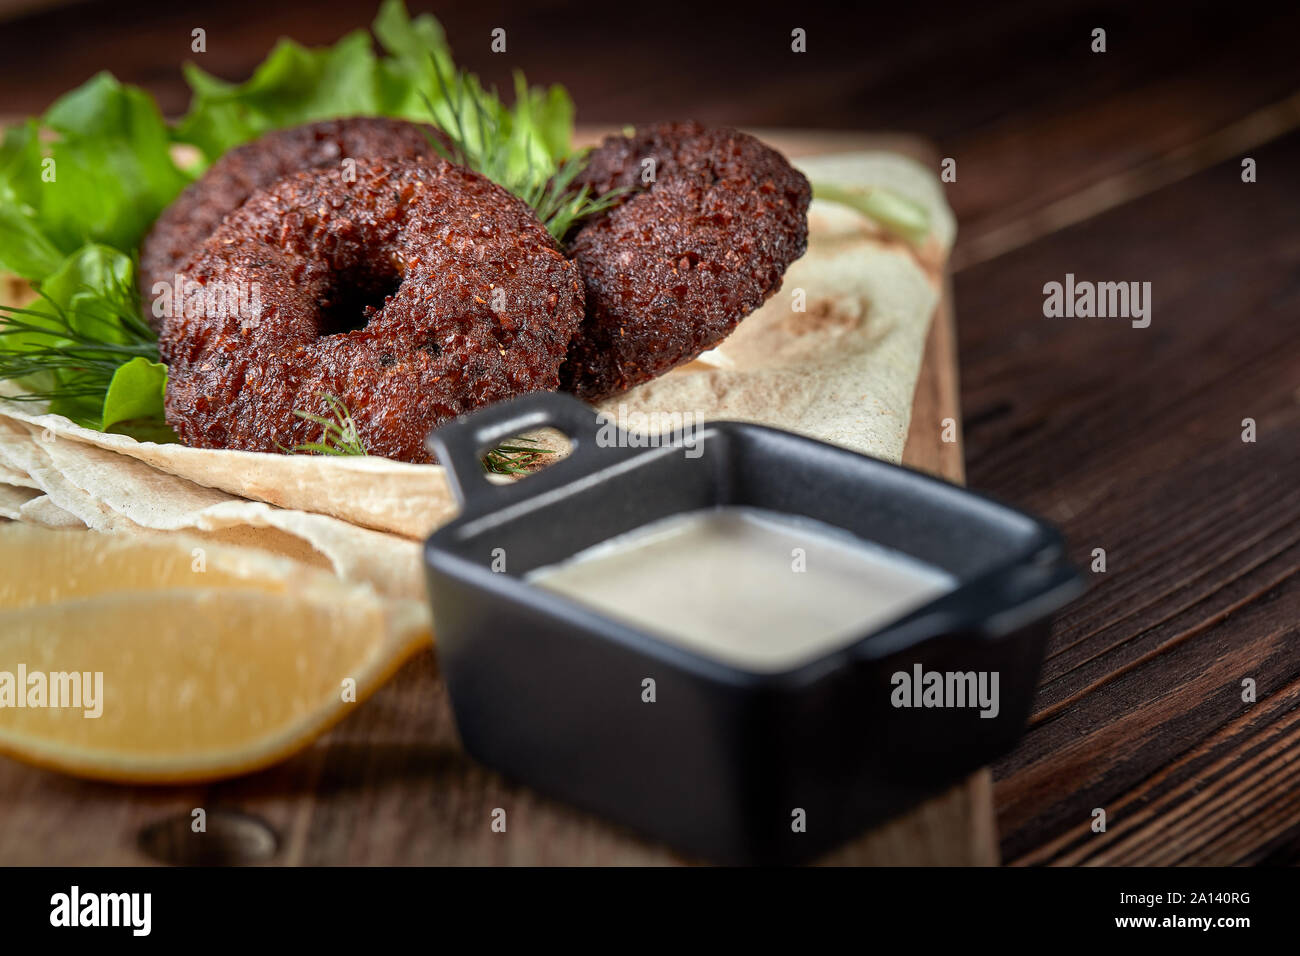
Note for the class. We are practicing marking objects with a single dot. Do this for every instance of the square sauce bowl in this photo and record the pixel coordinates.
(745, 643)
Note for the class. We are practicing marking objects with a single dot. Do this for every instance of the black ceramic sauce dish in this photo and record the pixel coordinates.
(725, 764)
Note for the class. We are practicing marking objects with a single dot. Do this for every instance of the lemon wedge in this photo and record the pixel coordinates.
(162, 660)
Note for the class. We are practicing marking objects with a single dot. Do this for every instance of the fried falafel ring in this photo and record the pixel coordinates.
(712, 219)
(416, 293)
(199, 209)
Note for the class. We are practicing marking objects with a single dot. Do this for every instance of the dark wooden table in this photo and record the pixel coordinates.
(1116, 166)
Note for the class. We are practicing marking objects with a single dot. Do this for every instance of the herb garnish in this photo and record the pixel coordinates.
(502, 144)
(83, 347)
(339, 437)
(515, 459)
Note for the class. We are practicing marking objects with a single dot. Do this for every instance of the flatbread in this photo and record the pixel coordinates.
(904, 176)
(15, 476)
(109, 492)
(372, 492)
(13, 498)
(43, 511)
(843, 370)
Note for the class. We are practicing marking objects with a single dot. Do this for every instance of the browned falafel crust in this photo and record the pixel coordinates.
(199, 209)
(476, 304)
(673, 268)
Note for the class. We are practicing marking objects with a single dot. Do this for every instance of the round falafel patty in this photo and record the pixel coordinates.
(416, 293)
(673, 268)
(199, 209)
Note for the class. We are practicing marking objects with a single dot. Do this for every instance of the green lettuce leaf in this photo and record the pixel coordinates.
(294, 85)
(93, 287)
(25, 250)
(298, 85)
(95, 169)
(81, 297)
(135, 393)
(70, 345)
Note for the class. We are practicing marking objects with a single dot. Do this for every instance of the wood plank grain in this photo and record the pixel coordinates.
(1132, 440)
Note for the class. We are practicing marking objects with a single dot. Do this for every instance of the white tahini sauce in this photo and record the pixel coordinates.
(756, 589)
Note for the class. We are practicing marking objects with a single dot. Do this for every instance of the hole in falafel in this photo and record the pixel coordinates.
(353, 299)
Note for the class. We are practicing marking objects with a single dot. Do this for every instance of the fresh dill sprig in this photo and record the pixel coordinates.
(560, 207)
(339, 431)
(484, 138)
(339, 437)
(514, 459)
(59, 352)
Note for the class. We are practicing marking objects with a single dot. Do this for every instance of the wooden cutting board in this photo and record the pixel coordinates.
(391, 784)
(956, 828)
